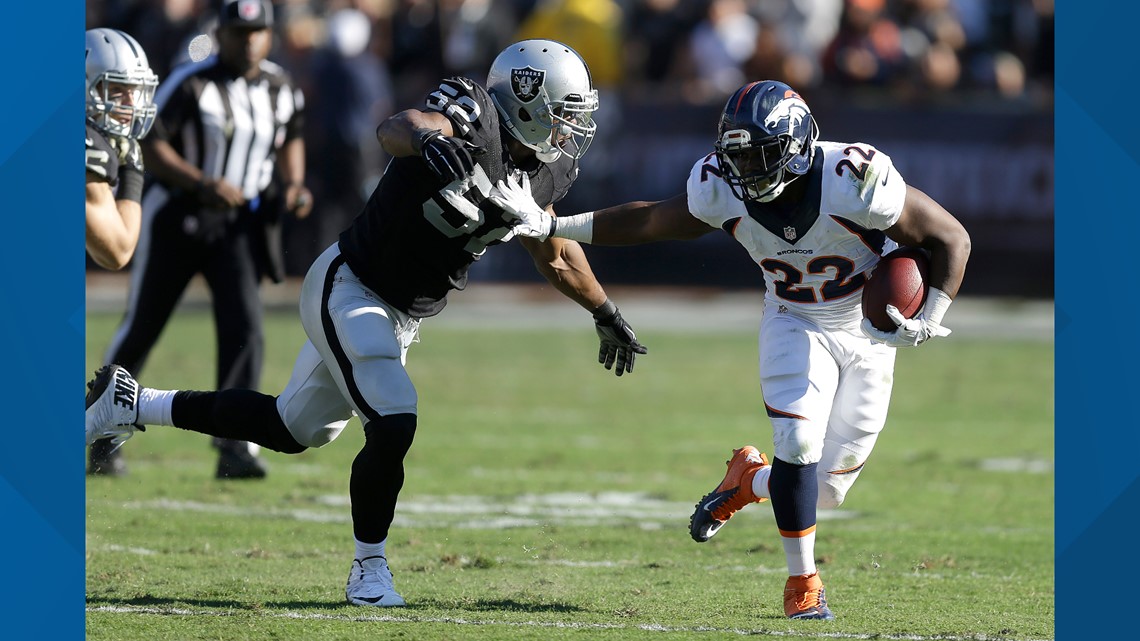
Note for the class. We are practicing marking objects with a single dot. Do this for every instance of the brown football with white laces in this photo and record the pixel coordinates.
(900, 280)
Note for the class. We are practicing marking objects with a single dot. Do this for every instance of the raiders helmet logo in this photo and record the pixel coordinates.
(526, 82)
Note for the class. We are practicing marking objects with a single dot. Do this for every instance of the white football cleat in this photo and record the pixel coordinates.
(112, 405)
(370, 583)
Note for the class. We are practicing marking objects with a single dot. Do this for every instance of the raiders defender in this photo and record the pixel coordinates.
(816, 217)
(120, 111)
(362, 301)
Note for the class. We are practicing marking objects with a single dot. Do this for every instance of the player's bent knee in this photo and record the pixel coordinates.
(794, 442)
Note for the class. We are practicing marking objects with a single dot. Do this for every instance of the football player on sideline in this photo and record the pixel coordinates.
(120, 111)
(816, 216)
(363, 299)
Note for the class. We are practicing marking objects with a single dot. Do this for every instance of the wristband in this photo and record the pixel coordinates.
(130, 184)
(937, 302)
(579, 227)
(605, 311)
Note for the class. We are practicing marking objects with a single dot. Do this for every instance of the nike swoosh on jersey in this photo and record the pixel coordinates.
(885, 177)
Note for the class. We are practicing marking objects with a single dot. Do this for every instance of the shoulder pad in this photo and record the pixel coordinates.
(860, 182)
(466, 104)
(709, 197)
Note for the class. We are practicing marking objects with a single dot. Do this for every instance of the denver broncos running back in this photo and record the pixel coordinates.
(816, 217)
(363, 299)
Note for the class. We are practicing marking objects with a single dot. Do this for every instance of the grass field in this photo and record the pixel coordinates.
(547, 499)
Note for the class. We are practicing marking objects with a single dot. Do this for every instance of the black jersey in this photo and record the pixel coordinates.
(410, 245)
(102, 159)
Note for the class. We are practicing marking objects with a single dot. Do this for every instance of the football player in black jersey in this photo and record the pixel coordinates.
(120, 111)
(363, 299)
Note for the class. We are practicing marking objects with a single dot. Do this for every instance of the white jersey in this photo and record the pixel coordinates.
(817, 255)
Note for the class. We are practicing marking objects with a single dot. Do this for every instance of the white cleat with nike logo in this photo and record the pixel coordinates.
(112, 405)
(370, 583)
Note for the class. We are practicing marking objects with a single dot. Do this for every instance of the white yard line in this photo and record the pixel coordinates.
(648, 627)
(483, 512)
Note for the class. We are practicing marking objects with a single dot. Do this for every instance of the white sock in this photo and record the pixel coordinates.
(800, 553)
(760, 482)
(154, 406)
(365, 550)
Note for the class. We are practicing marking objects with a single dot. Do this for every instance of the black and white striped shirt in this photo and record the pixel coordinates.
(226, 125)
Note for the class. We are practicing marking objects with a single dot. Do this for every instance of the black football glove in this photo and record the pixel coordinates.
(448, 157)
(618, 342)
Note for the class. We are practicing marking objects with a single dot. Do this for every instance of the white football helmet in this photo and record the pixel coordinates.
(120, 84)
(545, 97)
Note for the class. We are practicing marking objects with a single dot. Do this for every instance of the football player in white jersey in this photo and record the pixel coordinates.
(816, 217)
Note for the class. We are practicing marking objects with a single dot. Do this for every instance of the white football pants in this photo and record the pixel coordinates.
(826, 393)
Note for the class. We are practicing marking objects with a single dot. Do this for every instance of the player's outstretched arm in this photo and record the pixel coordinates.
(632, 223)
(564, 264)
(924, 223)
(640, 222)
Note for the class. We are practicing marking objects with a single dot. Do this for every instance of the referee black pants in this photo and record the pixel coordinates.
(174, 246)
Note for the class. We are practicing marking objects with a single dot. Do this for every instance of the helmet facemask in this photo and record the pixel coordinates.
(553, 127)
(760, 169)
(122, 104)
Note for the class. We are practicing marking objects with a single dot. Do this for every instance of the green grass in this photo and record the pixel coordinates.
(526, 426)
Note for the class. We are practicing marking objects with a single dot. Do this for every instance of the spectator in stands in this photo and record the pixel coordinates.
(793, 37)
(351, 91)
(653, 30)
(415, 57)
(719, 47)
(164, 27)
(867, 49)
(475, 32)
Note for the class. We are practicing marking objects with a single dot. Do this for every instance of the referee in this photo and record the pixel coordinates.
(227, 159)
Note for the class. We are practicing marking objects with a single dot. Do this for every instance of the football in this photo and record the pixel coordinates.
(900, 280)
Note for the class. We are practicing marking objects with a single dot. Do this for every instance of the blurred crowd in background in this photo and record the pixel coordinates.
(689, 50)
(359, 61)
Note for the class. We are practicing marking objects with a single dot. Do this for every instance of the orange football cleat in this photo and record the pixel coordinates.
(805, 598)
(733, 493)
